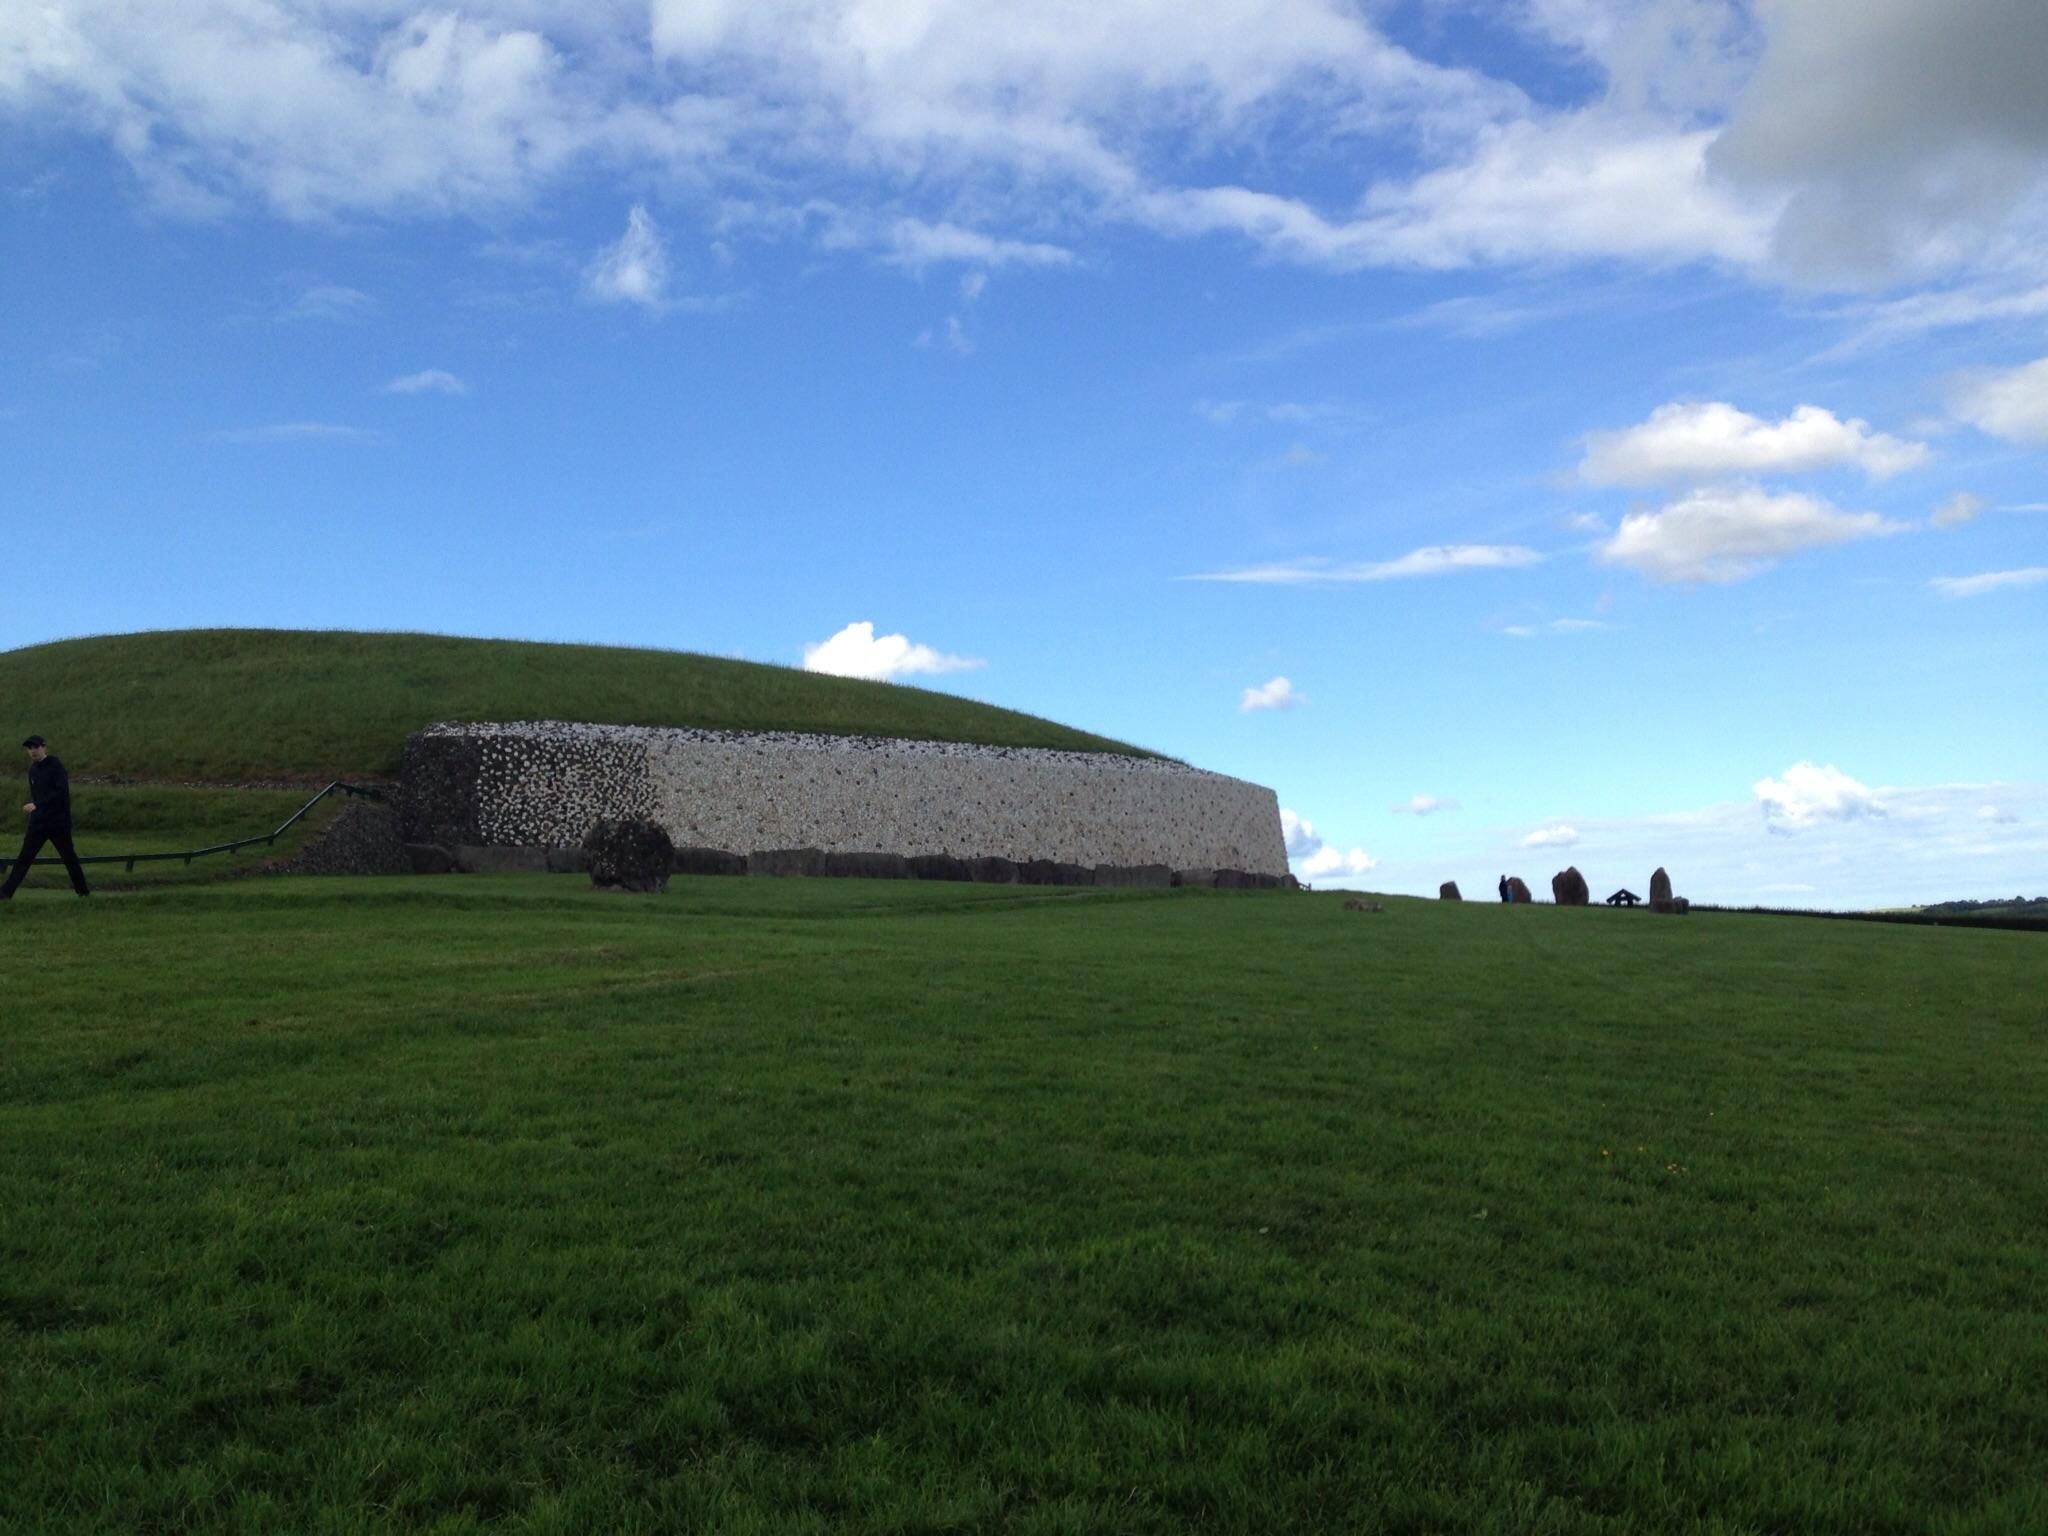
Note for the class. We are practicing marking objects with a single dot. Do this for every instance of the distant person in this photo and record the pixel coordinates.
(49, 818)
(1505, 893)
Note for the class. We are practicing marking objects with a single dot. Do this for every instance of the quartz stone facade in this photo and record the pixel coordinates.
(542, 783)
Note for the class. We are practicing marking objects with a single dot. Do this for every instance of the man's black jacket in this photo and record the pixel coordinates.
(49, 790)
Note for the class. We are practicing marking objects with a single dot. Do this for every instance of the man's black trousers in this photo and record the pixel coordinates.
(31, 845)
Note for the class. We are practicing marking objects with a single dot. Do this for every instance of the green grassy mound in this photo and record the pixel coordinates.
(830, 1206)
(309, 706)
(303, 707)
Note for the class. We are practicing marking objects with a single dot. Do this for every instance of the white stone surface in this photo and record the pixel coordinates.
(546, 781)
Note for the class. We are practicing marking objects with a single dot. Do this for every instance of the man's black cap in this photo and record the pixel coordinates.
(35, 741)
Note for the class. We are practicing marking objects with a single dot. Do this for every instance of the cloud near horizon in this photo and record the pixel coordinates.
(1313, 859)
(1809, 793)
(857, 651)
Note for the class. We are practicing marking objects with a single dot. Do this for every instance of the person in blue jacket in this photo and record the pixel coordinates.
(49, 819)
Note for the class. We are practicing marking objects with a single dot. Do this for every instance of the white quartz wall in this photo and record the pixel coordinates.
(544, 782)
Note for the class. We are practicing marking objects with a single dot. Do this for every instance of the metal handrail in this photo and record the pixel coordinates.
(188, 855)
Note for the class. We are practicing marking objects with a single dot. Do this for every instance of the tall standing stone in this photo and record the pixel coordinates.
(1660, 891)
(1568, 887)
(1448, 891)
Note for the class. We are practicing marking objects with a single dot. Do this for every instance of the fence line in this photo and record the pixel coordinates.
(189, 854)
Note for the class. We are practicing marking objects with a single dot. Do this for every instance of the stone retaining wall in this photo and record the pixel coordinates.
(541, 783)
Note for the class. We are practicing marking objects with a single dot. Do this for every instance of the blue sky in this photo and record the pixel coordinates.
(1520, 433)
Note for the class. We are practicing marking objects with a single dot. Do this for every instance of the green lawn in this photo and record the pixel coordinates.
(309, 706)
(467, 1204)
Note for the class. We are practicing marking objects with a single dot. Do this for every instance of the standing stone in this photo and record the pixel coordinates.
(631, 854)
(1568, 887)
(1518, 889)
(1660, 891)
(1448, 891)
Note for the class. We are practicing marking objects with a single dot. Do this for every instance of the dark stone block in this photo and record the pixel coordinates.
(709, 861)
(992, 871)
(867, 866)
(429, 859)
(1235, 880)
(1448, 891)
(1568, 887)
(1200, 879)
(630, 854)
(437, 790)
(568, 861)
(782, 862)
(1134, 875)
(937, 866)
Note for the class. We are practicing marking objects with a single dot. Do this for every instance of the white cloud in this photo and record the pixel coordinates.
(1881, 138)
(857, 651)
(1905, 137)
(1425, 805)
(1277, 694)
(1556, 835)
(952, 336)
(1554, 627)
(2012, 405)
(1728, 535)
(1437, 560)
(917, 244)
(1997, 814)
(1990, 581)
(1808, 793)
(1335, 863)
(635, 269)
(1712, 440)
(1957, 510)
(428, 381)
(1312, 859)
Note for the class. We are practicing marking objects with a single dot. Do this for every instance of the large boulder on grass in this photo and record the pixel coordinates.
(1660, 887)
(1448, 891)
(1518, 889)
(1568, 887)
(631, 854)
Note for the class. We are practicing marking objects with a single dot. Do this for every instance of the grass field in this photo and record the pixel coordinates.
(309, 706)
(467, 1204)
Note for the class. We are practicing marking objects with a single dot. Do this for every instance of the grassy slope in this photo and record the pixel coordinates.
(311, 706)
(837, 1206)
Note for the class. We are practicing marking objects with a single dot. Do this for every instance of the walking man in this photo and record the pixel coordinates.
(49, 819)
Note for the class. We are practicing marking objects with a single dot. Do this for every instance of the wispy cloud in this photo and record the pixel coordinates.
(1554, 627)
(1957, 510)
(1425, 805)
(633, 270)
(2012, 404)
(1556, 835)
(436, 381)
(1990, 581)
(295, 432)
(1436, 560)
(328, 301)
